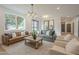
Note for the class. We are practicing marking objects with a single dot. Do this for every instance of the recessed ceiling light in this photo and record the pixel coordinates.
(58, 8)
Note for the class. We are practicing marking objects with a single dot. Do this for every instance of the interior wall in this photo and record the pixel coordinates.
(28, 24)
(76, 26)
(2, 22)
(71, 26)
(57, 25)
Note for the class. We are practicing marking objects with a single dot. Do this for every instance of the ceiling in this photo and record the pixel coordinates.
(46, 9)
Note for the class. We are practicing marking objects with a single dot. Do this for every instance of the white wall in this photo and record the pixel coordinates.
(76, 26)
(57, 25)
(2, 22)
(28, 24)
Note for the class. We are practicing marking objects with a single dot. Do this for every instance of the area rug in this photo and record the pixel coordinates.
(2, 49)
(21, 49)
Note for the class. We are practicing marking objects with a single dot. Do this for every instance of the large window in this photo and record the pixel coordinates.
(10, 22)
(20, 23)
(13, 22)
(35, 25)
(48, 24)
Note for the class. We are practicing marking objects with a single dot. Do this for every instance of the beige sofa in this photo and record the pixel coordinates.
(65, 47)
(9, 38)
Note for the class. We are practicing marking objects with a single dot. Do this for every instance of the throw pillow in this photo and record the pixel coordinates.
(53, 32)
(47, 33)
(13, 35)
(18, 33)
(9, 35)
(26, 33)
(22, 33)
(73, 46)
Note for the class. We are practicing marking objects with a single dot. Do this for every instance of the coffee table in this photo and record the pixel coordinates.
(33, 43)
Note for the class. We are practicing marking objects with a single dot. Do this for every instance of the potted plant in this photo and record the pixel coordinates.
(34, 35)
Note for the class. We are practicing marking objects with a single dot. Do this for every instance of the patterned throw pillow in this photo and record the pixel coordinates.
(18, 33)
(9, 35)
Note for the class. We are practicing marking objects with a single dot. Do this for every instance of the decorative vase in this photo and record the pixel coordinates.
(34, 38)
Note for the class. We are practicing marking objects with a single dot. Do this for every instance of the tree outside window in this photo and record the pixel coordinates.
(12, 23)
(20, 23)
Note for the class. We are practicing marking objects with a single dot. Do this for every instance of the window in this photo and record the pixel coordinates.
(13, 22)
(10, 22)
(51, 24)
(48, 24)
(35, 25)
(20, 23)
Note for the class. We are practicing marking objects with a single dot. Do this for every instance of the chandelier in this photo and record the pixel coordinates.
(32, 13)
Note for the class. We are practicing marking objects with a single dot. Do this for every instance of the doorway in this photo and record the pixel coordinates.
(63, 27)
(68, 28)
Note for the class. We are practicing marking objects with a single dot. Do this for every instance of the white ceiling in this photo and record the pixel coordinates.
(46, 9)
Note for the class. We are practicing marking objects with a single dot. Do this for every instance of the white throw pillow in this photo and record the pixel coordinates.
(47, 33)
(13, 35)
(22, 33)
(67, 37)
(73, 46)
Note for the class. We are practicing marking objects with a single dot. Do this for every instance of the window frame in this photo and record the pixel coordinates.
(48, 25)
(16, 22)
(36, 26)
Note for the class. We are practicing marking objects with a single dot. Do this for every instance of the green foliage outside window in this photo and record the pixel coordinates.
(12, 23)
(20, 22)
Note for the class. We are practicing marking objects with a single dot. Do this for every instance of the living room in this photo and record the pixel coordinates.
(62, 18)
